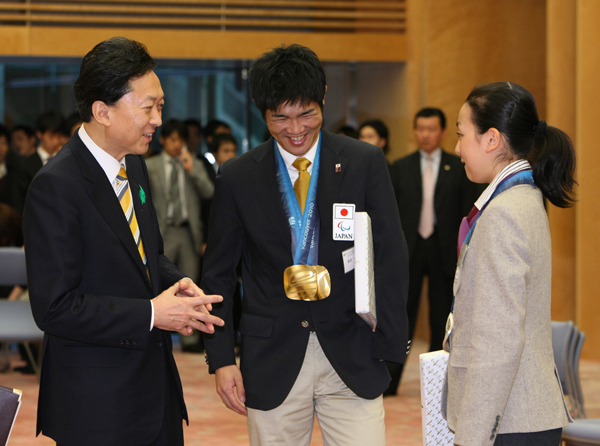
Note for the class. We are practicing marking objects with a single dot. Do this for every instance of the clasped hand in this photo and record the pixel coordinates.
(183, 307)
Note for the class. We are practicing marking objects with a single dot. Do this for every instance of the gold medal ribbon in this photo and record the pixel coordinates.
(306, 282)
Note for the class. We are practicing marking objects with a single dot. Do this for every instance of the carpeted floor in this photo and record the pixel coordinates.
(212, 424)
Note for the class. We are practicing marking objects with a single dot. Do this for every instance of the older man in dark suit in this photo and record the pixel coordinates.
(433, 195)
(315, 356)
(100, 287)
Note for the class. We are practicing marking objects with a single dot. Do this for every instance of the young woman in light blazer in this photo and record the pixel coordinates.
(502, 387)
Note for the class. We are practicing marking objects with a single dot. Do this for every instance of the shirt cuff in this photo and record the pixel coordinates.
(152, 319)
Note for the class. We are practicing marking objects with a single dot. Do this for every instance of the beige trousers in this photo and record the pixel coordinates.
(345, 418)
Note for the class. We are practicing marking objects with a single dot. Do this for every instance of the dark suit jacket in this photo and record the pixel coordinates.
(29, 167)
(103, 372)
(248, 220)
(454, 197)
(9, 190)
(206, 204)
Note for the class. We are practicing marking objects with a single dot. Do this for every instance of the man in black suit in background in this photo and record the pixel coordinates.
(433, 195)
(100, 287)
(302, 358)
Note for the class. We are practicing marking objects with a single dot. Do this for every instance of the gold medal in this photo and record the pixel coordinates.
(306, 282)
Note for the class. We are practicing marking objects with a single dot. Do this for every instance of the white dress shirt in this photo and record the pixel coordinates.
(111, 167)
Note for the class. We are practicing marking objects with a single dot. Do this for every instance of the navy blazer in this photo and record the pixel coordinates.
(248, 221)
(103, 371)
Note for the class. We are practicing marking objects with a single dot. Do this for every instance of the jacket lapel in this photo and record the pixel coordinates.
(444, 173)
(104, 198)
(263, 179)
(414, 171)
(139, 193)
(332, 171)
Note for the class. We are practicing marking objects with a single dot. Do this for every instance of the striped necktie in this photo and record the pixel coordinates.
(124, 196)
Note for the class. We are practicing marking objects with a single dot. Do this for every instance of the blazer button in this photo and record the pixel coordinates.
(305, 324)
(122, 342)
(127, 342)
(159, 344)
(133, 342)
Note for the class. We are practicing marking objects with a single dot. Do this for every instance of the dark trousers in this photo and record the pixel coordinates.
(426, 260)
(544, 438)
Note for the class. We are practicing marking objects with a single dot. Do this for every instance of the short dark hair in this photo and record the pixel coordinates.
(172, 126)
(347, 130)
(5, 132)
(212, 126)
(219, 139)
(72, 120)
(193, 122)
(289, 74)
(106, 72)
(52, 121)
(429, 112)
(511, 109)
(28, 130)
(381, 130)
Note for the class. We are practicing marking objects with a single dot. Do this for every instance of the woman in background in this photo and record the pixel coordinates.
(502, 388)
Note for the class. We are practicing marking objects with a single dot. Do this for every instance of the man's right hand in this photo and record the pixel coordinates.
(230, 387)
(174, 313)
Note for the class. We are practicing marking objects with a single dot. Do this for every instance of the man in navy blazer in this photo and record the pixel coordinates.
(303, 358)
(100, 287)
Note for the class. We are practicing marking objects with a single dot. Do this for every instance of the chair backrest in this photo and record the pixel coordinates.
(562, 332)
(12, 267)
(575, 366)
(17, 323)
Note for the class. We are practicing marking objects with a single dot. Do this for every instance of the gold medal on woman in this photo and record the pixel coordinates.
(306, 282)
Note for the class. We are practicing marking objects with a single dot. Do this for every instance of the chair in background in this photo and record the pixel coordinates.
(583, 432)
(562, 334)
(16, 320)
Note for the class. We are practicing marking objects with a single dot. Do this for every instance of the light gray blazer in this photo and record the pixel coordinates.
(501, 373)
(197, 186)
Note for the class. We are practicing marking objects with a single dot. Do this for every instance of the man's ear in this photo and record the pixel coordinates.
(324, 94)
(492, 139)
(101, 114)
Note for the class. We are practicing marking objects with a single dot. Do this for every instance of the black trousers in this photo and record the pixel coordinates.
(544, 438)
(426, 260)
(171, 432)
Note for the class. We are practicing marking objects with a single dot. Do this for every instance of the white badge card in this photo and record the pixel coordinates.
(343, 222)
(348, 257)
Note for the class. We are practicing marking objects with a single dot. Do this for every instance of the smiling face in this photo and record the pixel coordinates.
(473, 149)
(295, 127)
(134, 118)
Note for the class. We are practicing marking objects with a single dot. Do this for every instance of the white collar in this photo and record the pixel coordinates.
(109, 164)
(512, 168)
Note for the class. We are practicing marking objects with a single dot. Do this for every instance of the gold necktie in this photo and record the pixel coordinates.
(127, 205)
(301, 184)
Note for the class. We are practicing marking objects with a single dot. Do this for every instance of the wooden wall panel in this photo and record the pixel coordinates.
(455, 44)
(588, 208)
(461, 43)
(185, 44)
(561, 92)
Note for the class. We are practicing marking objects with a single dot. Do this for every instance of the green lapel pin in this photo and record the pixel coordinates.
(142, 195)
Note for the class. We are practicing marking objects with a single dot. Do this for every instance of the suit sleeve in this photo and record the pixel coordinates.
(221, 258)
(503, 257)
(390, 264)
(55, 267)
